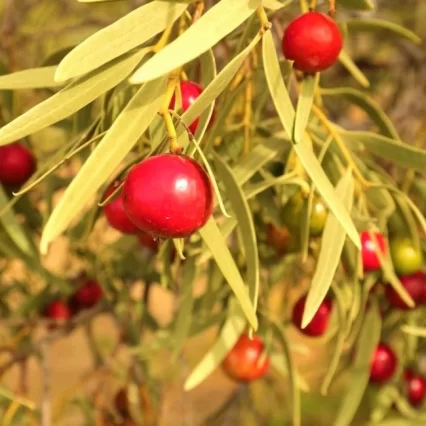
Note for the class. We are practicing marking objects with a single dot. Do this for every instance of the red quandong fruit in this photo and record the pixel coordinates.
(116, 215)
(57, 310)
(383, 364)
(168, 196)
(243, 363)
(278, 238)
(369, 248)
(190, 91)
(146, 240)
(17, 164)
(319, 323)
(87, 295)
(415, 284)
(313, 41)
(415, 387)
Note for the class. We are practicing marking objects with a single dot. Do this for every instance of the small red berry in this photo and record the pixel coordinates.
(146, 240)
(190, 92)
(278, 238)
(313, 41)
(415, 284)
(415, 387)
(17, 164)
(116, 215)
(383, 365)
(168, 196)
(242, 362)
(369, 249)
(319, 323)
(57, 310)
(88, 295)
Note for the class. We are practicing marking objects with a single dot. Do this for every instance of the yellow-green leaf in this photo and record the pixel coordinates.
(229, 335)
(275, 4)
(214, 240)
(107, 155)
(118, 38)
(356, 4)
(332, 243)
(70, 99)
(215, 24)
(415, 331)
(34, 78)
(353, 69)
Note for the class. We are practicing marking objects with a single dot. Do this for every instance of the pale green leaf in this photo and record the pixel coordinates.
(105, 158)
(331, 249)
(275, 4)
(244, 217)
(70, 99)
(214, 240)
(34, 78)
(353, 69)
(304, 106)
(131, 31)
(415, 331)
(229, 335)
(216, 23)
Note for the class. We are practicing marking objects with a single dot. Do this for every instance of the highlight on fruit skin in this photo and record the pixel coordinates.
(369, 248)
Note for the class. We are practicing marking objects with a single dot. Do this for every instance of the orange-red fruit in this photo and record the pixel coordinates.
(58, 310)
(278, 238)
(313, 41)
(369, 249)
(383, 364)
(88, 295)
(415, 387)
(414, 284)
(17, 164)
(242, 362)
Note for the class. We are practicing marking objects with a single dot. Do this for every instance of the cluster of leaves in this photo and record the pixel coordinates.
(271, 138)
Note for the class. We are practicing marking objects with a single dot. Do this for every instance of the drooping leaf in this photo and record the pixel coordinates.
(108, 154)
(34, 78)
(311, 164)
(70, 99)
(353, 69)
(415, 331)
(229, 335)
(215, 24)
(214, 240)
(131, 31)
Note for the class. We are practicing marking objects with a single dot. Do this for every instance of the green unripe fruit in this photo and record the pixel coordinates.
(406, 257)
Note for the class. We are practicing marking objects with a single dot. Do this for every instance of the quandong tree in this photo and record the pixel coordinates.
(206, 149)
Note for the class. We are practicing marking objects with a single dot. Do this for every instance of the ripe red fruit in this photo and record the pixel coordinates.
(319, 323)
(88, 295)
(278, 238)
(116, 215)
(313, 41)
(168, 196)
(190, 92)
(146, 240)
(17, 164)
(383, 364)
(415, 284)
(369, 249)
(415, 387)
(242, 362)
(58, 310)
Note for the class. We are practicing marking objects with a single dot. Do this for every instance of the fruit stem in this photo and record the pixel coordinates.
(263, 18)
(303, 6)
(248, 98)
(313, 5)
(199, 9)
(163, 40)
(332, 8)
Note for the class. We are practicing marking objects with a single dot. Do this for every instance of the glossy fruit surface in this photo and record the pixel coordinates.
(415, 284)
(406, 257)
(319, 323)
(57, 309)
(190, 92)
(369, 248)
(116, 215)
(415, 387)
(242, 362)
(168, 196)
(318, 217)
(88, 295)
(383, 365)
(17, 164)
(313, 41)
(278, 238)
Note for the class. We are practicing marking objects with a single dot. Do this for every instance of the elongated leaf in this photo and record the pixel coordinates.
(369, 106)
(118, 38)
(353, 69)
(415, 331)
(311, 164)
(356, 4)
(214, 240)
(304, 106)
(368, 341)
(331, 249)
(229, 335)
(215, 24)
(275, 4)
(372, 24)
(245, 221)
(108, 154)
(402, 154)
(70, 99)
(34, 78)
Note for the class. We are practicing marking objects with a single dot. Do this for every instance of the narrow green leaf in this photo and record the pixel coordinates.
(332, 243)
(275, 4)
(131, 31)
(415, 331)
(279, 363)
(304, 105)
(353, 69)
(34, 78)
(107, 155)
(245, 222)
(215, 24)
(368, 341)
(70, 99)
(214, 240)
(356, 4)
(373, 110)
(373, 24)
(229, 335)
(311, 164)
